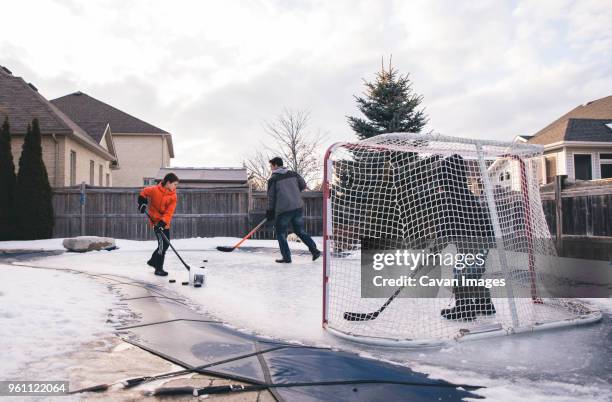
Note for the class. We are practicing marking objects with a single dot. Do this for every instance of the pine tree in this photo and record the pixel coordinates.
(389, 105)
(33, 193)
(7, 184)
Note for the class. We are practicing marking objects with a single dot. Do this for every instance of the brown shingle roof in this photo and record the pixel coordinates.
(600, 109)
(94, 115)
(21, 103)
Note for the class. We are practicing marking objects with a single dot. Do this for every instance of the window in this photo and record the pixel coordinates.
(504, 176)
(583, 167)
(605, 163)
(100, 175)
(92, 167)
(551, 168)
(148, 181)
(72, 168)
(108, 180)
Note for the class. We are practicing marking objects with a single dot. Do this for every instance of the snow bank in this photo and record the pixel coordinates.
(42, 245)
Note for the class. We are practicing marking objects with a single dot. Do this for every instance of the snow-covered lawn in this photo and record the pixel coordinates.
(45, 313)
(249, 291)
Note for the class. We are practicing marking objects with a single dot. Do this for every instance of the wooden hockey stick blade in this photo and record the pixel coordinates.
(230, 249)
(373, 315)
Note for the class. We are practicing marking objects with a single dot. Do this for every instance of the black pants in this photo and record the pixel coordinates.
(162, 246)
(471, 272)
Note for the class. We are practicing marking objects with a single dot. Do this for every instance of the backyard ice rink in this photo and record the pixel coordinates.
(248, 291)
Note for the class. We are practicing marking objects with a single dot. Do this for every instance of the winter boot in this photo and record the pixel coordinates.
(316, 254)
(484, 306)
(160, 272)
(282, 261)
(463, 310)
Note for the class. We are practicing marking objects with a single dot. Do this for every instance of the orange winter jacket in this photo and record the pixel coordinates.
(162, 203)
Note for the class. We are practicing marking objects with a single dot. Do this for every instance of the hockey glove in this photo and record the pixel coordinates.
(270, 214)
(142, 204)
(161, 225)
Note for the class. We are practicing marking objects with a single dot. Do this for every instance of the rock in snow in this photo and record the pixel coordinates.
(82, 244)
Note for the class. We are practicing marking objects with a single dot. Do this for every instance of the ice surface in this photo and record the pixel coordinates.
(250, 292)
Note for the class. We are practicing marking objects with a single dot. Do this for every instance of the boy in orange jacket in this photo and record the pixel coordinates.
(162, 204)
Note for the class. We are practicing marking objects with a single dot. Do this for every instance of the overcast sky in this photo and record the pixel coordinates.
(212, 72)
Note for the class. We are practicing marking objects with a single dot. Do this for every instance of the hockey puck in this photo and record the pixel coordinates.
(204, 260)
(185, 283)
(197, 285)
(172, 280)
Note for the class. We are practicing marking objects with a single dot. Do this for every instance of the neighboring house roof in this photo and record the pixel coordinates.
(22, 103)
(82, 108)
(206, 175)
(588, 130)
(562, 129)
(94, 115)
(523, 138)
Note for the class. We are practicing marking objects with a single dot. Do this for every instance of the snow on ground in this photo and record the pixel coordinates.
(46, 245)
(249, 291)
(39, 318)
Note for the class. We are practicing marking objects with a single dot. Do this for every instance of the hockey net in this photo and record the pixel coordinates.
(413, 188)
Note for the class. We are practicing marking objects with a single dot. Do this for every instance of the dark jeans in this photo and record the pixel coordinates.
(162, 246)
(281, 225)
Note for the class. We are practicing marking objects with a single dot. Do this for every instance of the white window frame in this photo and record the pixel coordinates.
(73, 167)
(92, 172)
(604, 161)
(592, 155)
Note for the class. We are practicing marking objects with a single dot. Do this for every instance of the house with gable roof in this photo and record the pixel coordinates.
(142, 148)
(70, 154)
(577, 144)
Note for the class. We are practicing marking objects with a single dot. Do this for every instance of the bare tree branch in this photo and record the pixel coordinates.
(294, 142)
(258, 170)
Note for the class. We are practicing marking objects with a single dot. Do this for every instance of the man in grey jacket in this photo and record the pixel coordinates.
(285, 206)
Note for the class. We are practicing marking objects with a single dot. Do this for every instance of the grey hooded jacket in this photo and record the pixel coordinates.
(284, 188)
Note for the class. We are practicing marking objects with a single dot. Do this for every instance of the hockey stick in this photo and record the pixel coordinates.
(349, 316)
(231, 388)
(170, 244)
(230, 249)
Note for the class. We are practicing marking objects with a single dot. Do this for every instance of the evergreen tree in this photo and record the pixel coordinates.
(33, 193)
(7, 184)
(389, 105)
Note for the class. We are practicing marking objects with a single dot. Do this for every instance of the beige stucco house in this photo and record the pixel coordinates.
(578, 144)
(70, 154)
(142, 149)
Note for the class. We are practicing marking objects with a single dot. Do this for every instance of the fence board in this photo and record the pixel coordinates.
(587, 212)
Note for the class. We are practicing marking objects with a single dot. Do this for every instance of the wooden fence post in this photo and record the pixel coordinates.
(559, 212)
(83, 201)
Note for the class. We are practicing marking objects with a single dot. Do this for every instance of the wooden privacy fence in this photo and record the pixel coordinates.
(112, 212)
(579, 216)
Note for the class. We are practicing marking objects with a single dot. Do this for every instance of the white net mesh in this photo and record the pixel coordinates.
(439, 194)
